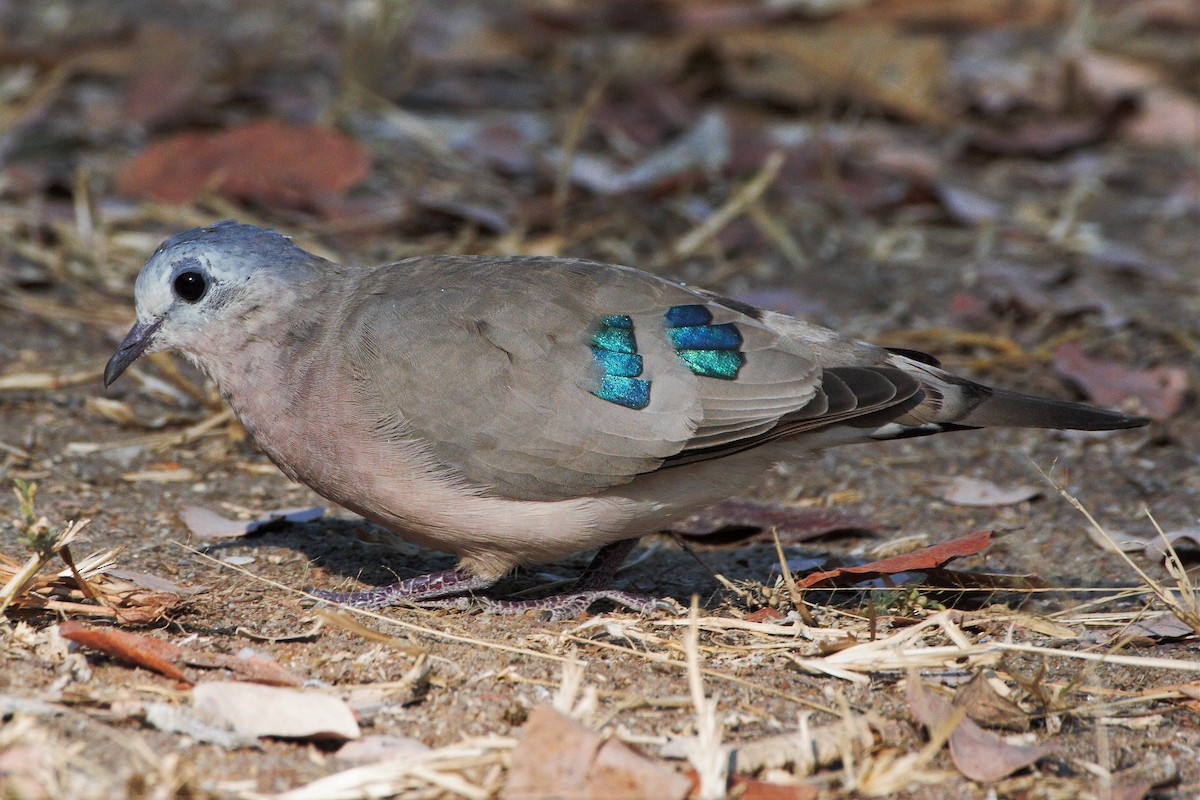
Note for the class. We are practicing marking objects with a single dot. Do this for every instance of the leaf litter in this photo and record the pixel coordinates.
(691, 103)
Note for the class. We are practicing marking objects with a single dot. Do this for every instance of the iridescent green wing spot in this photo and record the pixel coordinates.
(709, 350)
(614, 351)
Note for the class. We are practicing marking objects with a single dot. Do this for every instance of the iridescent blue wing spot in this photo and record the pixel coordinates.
(622, 321)
(614, 351)
(626, 365)
(686, 316)
(616, 340)
(629, 392)
(706, 337)
(708, 350)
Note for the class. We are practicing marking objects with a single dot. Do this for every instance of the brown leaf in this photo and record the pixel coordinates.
(767, 614)
(978, 754)
(252, 668)
(900, 71)
(267, 162)
(142, 608)
(926, 558)
(747, 788)
(1158, 391)
(736, 519)
(988, 707)
(560, 758)
(143, 651)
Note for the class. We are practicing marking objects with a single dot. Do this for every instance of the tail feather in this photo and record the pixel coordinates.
(952, 402)
(1003, 408)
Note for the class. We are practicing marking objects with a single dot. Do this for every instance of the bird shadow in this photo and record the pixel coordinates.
(659, 567)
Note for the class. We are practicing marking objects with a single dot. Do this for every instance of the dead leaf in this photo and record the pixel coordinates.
(154, 582)
(737, 519)
(1163, 115)
(767, 614)
(926, 558)
(208, 525)
(125, 600)
(963, 491)
(978, 754)
(900, 71)
(1159, 392)
(267, 162)
(1158, 628)
(142, 608)
(246, 665)
(144, 651)
(744, 787)
(260, 711)
(560, 758)
(988, 707)
(166, 658)
(378, 747)
(1187, 539)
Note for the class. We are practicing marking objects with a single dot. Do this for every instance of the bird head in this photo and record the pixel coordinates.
(201, 281)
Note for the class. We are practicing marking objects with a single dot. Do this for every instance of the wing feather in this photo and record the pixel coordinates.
(488, 363)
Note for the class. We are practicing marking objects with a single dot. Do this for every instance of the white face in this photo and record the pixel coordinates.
(198, 279)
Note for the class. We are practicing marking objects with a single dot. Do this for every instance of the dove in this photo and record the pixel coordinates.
(516, 410)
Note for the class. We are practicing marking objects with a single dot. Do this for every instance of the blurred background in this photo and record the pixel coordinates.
(1004, 161)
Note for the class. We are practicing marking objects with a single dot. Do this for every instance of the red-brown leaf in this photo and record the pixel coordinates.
(267, 162)
(143, 651)
(926, 558)
(1159, 391)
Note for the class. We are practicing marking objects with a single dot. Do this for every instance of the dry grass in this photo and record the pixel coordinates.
(847, 750)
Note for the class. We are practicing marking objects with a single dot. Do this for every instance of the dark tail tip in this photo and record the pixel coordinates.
(1012, 409)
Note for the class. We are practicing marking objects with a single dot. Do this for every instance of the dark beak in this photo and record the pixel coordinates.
(135, 343)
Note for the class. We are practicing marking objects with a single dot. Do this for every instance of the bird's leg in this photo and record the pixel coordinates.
(416, 590)
(594, 584)
(437, 589)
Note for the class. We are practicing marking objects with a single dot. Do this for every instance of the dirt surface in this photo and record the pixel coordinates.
(1094, 245)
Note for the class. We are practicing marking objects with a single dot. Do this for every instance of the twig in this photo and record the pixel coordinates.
(742, 199)
(706, 754)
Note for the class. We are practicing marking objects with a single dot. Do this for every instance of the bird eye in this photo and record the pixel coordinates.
(190, 286)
